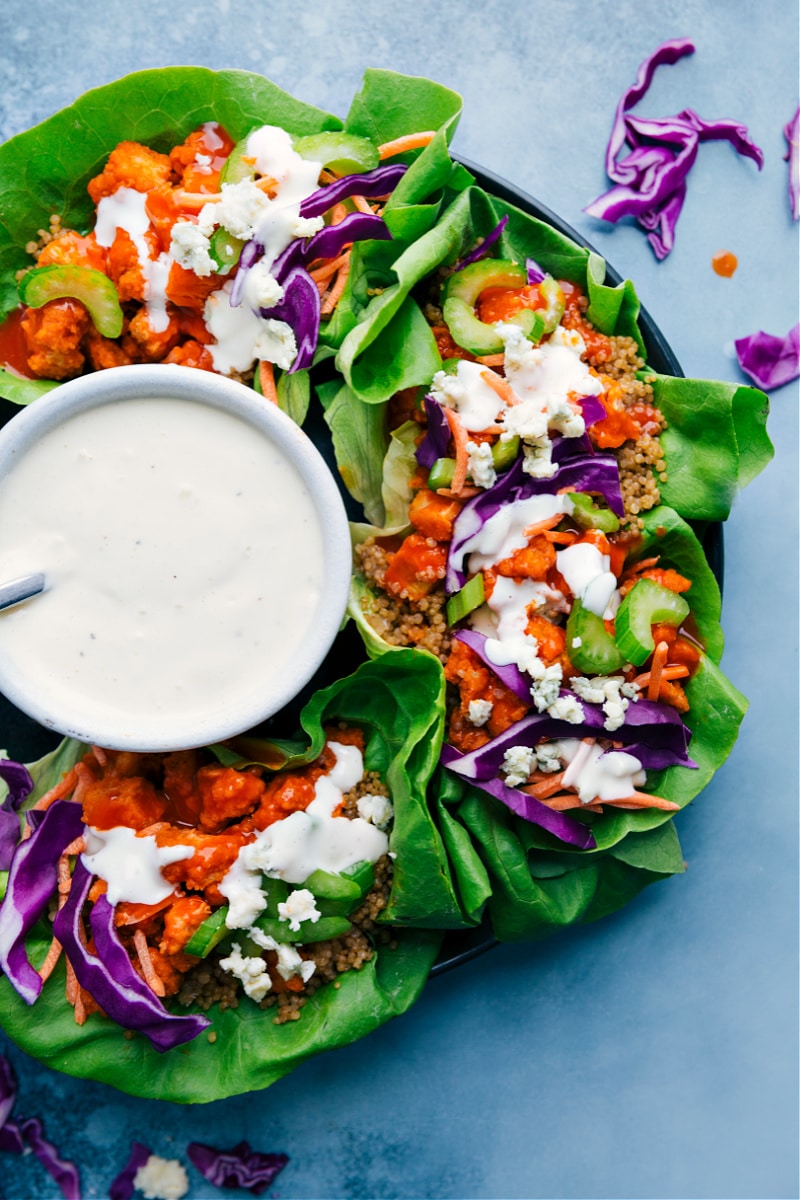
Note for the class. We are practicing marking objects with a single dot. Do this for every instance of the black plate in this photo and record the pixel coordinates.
(26, 740)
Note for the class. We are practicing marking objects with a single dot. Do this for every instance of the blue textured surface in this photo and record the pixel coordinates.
(655, 1054)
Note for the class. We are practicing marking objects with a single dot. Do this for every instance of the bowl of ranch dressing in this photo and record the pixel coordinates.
(196, 551)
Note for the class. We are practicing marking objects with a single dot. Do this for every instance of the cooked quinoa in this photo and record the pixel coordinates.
(641, 464)
(402, 622)
(208, 984)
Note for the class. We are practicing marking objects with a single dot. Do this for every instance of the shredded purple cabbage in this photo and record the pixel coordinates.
(770, 361)
(791, 132)
(64, 1172)
(16, 1137)
(240, 1167)
(592, 408)
(109, 975)
(437, 435)
(535, 272)
(329, 241)
(659, 725)
(485, 246)
(566, 829)
(598, 474)
(300, 309)
(122, 1187)
(32, 880)
(19, 783)
(379, 182)
(509, 674)
(650, 180)
(300, 305)
(252, 251)
(8, 1090)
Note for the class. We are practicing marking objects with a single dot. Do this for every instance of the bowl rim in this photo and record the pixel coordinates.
(172, 381)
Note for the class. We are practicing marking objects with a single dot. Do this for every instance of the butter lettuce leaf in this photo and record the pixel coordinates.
(715, 443)
(249, 1052)
(716, 440)
(46, 169)
(401, 710)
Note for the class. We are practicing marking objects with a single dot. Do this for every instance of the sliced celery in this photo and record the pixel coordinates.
(470, 597)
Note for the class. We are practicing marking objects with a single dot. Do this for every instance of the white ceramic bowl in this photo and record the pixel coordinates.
(197, 554)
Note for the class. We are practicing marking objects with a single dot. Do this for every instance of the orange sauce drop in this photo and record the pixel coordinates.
(13, 348)
(724, 263)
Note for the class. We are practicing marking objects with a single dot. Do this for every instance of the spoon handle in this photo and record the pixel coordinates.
(20, 589)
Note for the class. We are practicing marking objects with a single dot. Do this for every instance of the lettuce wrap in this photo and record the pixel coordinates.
(399, 708)
(46, 169)
(530, 882)
(716, 441)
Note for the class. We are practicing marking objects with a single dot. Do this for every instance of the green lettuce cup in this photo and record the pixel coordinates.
(400, 712)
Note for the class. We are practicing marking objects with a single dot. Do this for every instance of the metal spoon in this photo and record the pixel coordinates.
(21, 589)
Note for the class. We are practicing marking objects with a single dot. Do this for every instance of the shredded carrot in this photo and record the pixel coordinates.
(266, 377)
(267, 184)
(641, 800)
(332, 297)
(542, 785)
(338, 212)
(563, 802)
(656, 668)
(541, 526)
(100, 755)
(501, 386)
(85, 777)
(491, 360)
(143, 952)
(151, 830)
(566, 538)
(80, 1008)
(635, 801)
(673, 671)
(72, 984)
(194, 201)
(460, 439)
(411, 141)
(361, 204)
(63, 788)
(51, 958)
(638, 567)
(466, 492)
(327, 269)
(64, 885)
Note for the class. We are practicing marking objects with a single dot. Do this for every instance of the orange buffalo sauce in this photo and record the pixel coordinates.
(13, 347)
(724, 263)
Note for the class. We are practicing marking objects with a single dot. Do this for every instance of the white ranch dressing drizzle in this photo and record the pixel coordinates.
(303, 842)
(126, 209)
(241, 335)
(184, 560)
(477, 404)
(504, 531)
(597, 774)
(586, 571)
(130, 865)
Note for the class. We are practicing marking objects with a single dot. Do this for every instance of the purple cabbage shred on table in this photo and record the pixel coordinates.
(650, 179)
(791, 131)
(123, 1185)
(26, 1134)
(770, 361)
(240, 1167)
